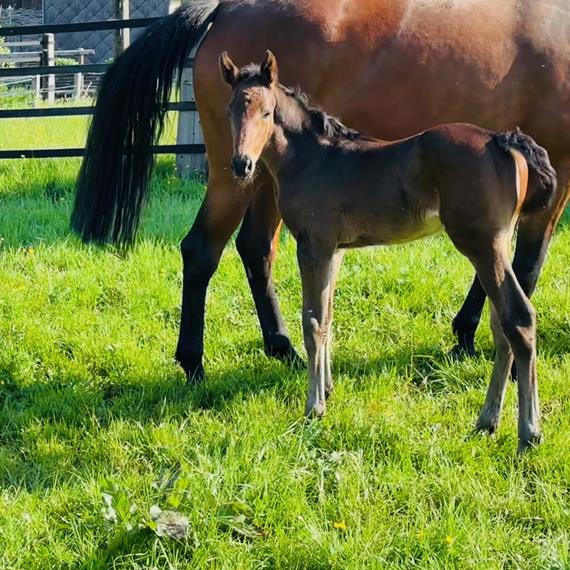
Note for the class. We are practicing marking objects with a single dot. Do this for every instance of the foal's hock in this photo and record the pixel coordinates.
(338, 189)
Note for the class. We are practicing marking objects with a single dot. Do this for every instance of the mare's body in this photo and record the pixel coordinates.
(391, 68)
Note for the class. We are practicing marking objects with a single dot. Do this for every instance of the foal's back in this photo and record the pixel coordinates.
(371, 192)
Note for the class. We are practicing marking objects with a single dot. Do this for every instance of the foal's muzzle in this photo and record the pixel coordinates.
(242, 167)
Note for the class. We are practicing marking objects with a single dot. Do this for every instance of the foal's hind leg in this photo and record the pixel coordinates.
(517, 319)
(316, 267)
(257, 245)
(534, 234)
(533, 238)
(491, 413)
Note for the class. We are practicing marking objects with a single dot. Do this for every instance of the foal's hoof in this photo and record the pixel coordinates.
(329, 388)
(460, 351)
(514, 372)
(485, 425)
(529, 442)
(315, 410)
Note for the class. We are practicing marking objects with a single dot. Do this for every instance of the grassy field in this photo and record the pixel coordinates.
(102, 445)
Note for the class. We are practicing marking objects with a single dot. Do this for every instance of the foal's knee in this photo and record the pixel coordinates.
(312, 331)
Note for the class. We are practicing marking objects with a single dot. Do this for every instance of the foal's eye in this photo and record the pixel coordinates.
(266, 115)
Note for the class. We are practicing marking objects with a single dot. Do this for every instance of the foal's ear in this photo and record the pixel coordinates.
(230, 71)
(269, 69)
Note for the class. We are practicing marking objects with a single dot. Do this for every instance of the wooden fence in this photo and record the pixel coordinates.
(189, 149)
(46, 55)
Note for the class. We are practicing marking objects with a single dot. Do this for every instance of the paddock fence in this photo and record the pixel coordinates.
(189, 147)
(42, 52)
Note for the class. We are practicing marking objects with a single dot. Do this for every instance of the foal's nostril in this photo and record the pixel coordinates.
(242, 166)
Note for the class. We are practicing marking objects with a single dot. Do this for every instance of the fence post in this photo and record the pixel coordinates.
(37, 86)
(48, 60)
(189, 130)
(122, 37)
(78, 87)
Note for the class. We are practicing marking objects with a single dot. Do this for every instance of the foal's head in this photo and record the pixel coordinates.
(251, 110)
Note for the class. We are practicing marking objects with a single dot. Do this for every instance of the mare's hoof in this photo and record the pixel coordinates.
(460, 351)
(285, 352)
(529, 442)
(195, 376)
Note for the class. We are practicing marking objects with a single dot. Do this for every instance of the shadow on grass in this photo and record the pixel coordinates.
(57, 410)
(57, 406)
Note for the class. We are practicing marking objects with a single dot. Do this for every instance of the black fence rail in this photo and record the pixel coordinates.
(79, 152)
(10, 31)
(53, 70)
(70, 111)
(188, 106)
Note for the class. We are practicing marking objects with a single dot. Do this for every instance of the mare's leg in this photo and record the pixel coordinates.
(467, 319)
(329, 385)
(221, 212)
(534, 234)
(257, 245)
(316, 267)
(517, 320)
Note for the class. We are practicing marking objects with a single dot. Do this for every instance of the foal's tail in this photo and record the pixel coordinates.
(128, 121)
(542, 176)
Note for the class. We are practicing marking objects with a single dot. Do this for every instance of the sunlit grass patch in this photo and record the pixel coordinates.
(108, 460)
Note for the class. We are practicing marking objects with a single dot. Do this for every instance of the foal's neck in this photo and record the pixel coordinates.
(293, 134)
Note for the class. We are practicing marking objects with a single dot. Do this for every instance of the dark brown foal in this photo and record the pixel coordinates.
(338, 189)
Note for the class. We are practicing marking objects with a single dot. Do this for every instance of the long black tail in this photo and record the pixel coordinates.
(128, 121)
(542, 176)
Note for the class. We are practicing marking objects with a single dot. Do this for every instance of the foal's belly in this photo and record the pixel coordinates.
(392, 232)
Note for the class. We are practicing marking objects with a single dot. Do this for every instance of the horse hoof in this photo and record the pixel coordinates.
(459, 352)
(485, 425)
(285, 353)
(315, 411)
(329, 388)
(195, 376)
(529, 442)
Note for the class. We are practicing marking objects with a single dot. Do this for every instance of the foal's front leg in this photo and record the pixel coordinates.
(337, 261)
(316, 267)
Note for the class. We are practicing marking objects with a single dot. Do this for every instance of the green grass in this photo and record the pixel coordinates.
(93, 408)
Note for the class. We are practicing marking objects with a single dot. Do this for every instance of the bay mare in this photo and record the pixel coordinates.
(413, 64)
(337, 189)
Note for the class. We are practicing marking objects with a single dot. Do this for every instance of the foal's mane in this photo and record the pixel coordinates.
(323, 123)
